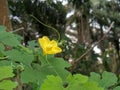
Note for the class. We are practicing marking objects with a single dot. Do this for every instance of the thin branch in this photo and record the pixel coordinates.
(77, 60)
(21, 28)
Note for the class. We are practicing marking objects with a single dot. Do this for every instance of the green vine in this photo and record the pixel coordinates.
(47, 26)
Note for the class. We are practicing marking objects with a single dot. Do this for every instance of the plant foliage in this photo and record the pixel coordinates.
(29, 61)
(73, 82)
(6, 72)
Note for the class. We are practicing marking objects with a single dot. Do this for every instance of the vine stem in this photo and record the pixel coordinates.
(47, 26)
(51, 65)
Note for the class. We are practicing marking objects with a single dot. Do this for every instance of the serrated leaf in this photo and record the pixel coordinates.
(33, 44)
(1, 47)
(37, 73)
(6, 72)
(77, 78)
(7, 85)
(20, 56)
(106, 80)
(5, 63)
(8, 38)
(95, 77)
(89, 86)
(29, 75)
(59, 65)
(80, 82)
(117, 88)
(85, 86)
(75, 83)
(52, 83)
(24, 49)
(18, 37)
(1, 54)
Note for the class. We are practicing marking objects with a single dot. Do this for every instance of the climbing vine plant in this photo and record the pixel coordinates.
(36, 66)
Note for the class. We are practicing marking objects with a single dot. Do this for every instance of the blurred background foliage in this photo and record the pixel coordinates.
(81, 23)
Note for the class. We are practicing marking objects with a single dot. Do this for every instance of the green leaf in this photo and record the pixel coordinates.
(1, 54)
(77, 78)
(1, 47)
(38, 73)
(1, 51)
(6, 72)
(59, 65)
(7, 85)
(31, 75)
(95, 77)
(18, 37)
(24, 49)
(20, 56)
(80, 82)
(52, 83)
(3, 28)
(75, 82)
(106, 80)
(33, 44)
(5, 62)
(88, 86)
(117, 88)
(8, 38)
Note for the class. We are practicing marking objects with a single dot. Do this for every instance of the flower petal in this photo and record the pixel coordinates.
(53, 43)
(43, 41)
(49, 47)
(56, 50)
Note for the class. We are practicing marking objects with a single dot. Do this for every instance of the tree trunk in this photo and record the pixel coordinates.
(4, 14)
(83, 31)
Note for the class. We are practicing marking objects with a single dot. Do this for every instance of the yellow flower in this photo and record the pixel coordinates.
(49, 47)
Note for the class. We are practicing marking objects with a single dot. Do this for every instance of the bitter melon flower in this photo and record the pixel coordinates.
(49, 46)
